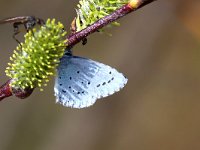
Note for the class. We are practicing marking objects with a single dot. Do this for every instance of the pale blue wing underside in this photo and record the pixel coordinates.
(81, 81)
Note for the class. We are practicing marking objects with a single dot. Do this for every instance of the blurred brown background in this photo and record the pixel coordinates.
(157, 48)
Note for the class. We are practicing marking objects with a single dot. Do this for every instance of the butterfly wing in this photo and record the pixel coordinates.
(81, 81)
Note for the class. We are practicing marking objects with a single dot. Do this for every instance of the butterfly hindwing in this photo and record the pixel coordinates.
(81, 81)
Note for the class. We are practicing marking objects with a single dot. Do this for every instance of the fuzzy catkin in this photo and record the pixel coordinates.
(36, 59)
(89, 11)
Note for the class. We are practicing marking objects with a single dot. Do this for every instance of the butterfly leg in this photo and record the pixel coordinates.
(84, 41)
(68, 52)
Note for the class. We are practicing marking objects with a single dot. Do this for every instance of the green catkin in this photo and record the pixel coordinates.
(89, 11)
(37, 58)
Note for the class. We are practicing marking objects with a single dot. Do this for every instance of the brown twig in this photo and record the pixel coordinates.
(124, 10)
(6, 90)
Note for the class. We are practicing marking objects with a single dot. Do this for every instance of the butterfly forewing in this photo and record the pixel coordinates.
(81, 81)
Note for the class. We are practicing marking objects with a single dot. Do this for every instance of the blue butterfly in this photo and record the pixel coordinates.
(81, 81)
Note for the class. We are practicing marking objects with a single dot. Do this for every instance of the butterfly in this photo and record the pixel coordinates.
(81, 81)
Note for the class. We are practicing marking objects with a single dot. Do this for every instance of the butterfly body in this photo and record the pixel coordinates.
(81, 81)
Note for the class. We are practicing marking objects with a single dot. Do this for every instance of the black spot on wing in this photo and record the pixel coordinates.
(64, 91)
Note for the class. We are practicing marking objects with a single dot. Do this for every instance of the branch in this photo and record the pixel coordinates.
(73, 39)
(133, 5)
(5, 90)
